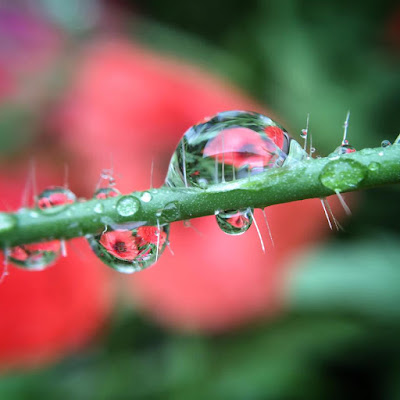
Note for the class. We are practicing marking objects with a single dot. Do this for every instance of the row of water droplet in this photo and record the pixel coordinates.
(227, 147)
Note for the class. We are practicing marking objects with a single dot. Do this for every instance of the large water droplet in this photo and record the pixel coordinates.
(342, 174)
(127, 206)
(228, 146)
(386, 143)
(130, 250)
(7, 222)
(55, 199)
(235, 222)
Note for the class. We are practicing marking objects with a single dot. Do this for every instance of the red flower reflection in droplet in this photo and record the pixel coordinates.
(240, 147)
(120, 244)
(238, 220)
(26, 251)
(55, 199)
(276, 135)
(149, 234)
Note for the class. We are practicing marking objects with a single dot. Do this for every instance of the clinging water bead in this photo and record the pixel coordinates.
(230, 146)
(38, 256)
(130, 250)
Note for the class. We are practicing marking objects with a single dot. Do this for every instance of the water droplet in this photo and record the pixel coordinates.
(386, 143)
(132, 250)
(128, 206)
(146, 197)
(171, 211)
(55, 199)
(229, 146)
(235, 222)
(35, 256)
(106, 193)
(303, 133)
(374, 166)
(98, 208)
(342, 174)
(345, 148)
(312, 150)
(7, 222)
(38, 256)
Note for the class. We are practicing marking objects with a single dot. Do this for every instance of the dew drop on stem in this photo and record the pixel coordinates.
(38, 256)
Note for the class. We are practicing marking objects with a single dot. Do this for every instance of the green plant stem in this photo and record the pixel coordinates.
(363, 169)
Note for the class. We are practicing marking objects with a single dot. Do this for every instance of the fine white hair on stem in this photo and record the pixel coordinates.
(258, 232)
(151, 173)
(184, 163)
(268, 227)
(343, 203)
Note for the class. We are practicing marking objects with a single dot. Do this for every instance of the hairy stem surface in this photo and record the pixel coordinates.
(307, 179)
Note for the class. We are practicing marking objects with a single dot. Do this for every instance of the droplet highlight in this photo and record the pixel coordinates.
(235, 222)
(132, 250)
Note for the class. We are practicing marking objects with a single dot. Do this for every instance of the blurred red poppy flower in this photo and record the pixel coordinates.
(46, 315)
(132, 103)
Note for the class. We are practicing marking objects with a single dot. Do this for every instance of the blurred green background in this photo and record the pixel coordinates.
(339, 337)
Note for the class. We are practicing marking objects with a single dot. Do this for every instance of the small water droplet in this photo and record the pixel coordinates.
(35, 256)
(345, 148)
(303, 133)
(386, 143)
(171, 211)
(7, 222)
(146, 197)
(55, 199)
(312, 150)
(229, 146)
(235, 222)
(106, 193)
(128, 206)
(374, 166)
(342, 174)
(130, 250)
(98, 208)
